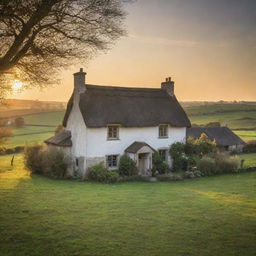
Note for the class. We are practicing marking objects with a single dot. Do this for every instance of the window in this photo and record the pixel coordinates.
(163, 154)
(163, 131)
(113, 132)
(112, 161)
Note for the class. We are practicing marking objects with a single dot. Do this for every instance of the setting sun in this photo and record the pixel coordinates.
(17, 85)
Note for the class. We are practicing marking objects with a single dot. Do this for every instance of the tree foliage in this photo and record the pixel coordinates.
(5, 133)
(39, 37)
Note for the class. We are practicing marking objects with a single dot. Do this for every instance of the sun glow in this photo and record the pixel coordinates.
(17, 85)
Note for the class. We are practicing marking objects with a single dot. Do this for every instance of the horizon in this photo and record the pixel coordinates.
(208, 48)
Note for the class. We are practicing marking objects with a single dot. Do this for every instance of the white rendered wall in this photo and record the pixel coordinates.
(77, 127)
(97, 145)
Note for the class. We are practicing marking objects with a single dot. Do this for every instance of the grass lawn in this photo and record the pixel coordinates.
(208, 216)
(250, 159)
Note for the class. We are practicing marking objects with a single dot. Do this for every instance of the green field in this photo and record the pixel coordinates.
(208, 216)
(236, 116)
(246, 135)
(32, 134)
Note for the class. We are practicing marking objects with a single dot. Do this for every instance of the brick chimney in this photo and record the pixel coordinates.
(168, 86)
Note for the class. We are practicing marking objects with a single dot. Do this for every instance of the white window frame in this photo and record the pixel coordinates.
(160, 132)
(112, 166)
(109, 133)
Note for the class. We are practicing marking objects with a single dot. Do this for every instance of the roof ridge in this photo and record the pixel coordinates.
(122, 87)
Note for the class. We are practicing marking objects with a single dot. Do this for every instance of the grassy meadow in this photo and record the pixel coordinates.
(31, 134)
(208, 216)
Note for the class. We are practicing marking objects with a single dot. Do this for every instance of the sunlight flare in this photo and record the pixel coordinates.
(17, 85)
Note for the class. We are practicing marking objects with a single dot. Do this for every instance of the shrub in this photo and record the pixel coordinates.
(18, 149)
(127, 167)
(189, 175)
(112, 177)
(207, 166)
(169, 177)
(9, 151)
(5, 133)
(33, 159)
(227, 164)
(200, 146)
(99, 173)
(56, 163)
(51, 162)
(159, 166)
(19, 122)
(180, 159)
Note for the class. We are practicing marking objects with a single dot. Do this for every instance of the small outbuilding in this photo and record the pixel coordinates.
(223, 136)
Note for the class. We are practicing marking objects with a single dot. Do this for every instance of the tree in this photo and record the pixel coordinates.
(19, 121)
(39, 37)
(5, 133)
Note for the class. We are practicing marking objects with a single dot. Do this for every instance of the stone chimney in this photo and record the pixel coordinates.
(168, 86)
(79, 82)
(79, 85)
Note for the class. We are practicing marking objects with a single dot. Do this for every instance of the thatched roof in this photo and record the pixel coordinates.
(129, 107)
(136, 146)
(222, 135)
(61, 139)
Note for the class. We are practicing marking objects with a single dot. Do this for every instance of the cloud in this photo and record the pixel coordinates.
(164, 41)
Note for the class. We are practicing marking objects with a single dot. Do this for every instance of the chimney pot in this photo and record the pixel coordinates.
(168, 86)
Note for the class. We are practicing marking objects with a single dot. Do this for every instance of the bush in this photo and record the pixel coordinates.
(189, 175)
(169, 177)
(206, 166)
(250, 147)
(227, 164)
(56, 163)
(218, 165)
(19, 122)
(112, 177)
(33, 159)
(9, 151)
(159, 166)
(52, 163)
(18, 149)
(180, 159)
(127, 167)
(200, 146)
(99, 173)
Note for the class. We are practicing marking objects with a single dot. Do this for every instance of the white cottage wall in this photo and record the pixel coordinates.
(77, 127)
(97, 145)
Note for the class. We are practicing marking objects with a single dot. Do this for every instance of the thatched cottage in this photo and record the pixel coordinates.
(223, 137)
(104, 122)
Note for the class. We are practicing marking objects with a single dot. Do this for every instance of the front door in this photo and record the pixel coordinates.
(143, 163)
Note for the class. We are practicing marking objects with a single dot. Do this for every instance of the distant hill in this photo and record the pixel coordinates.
(15, 107)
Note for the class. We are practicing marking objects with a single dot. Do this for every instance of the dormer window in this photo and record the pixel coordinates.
(113, 132)
(163, 131)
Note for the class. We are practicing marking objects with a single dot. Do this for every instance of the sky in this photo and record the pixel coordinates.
(208, 47)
